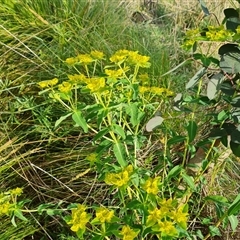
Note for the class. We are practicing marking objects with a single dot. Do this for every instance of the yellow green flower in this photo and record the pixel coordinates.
(97, 55)
(114, 73)
(48, 83)
(92, 157)
(166, 205)
(16, 191)
(96, 84)
(71, 61)
(119, 179)
(139, 60)
(119, 56)
(166, 228)
(104, 215)
(218, 33)
(151, 185)
(79, 218)
(180, 217)
(65, 87)
(144, 89)
(5, 208)
(155, 216)
(128, 233)
(77, 78)
(85, 58)
(144, 78)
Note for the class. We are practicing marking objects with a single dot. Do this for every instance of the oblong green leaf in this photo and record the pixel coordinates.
(119, 130)
(176, 139)
(100, 134)
(193, 81)
(62, 118)
(235, 147)
(189, 180)
(192, 130)
(80, 120)
(233, 222)
(214, 85)
(174, 172)
(235, 206)
(119, 152)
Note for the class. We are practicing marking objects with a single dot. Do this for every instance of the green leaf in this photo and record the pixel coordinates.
(235, 135)
(214, 231)
(235, 206)
(230, 62)
(189, 180)
(236, 102)
(119, 130)
(235, 147)
(18, 214)
(218, 199)
(230, 12)
(132, 111)
(62, 119)
(192, 130)
(217, 133)
(236, 115)
(214, 85)
(119, 152)
(100, 134)
(193, 81)
(204, 7)
(222, 116)
(176, 139)
(174, 172)
(79, 120)
(232, 23)
(228, 47)
(227, 88)
(233, 222)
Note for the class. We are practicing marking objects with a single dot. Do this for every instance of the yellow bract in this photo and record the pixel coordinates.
(119, 179)
(104, 215)
(65, 87)
(97, 55)
(96, 84)
(167, 228)
(128, 233)
(85, 58)
(48, 83)
(17, 191)
(79, 218)
(151, 185)
(5, 208)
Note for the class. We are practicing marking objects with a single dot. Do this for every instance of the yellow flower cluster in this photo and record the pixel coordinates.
(7, 200)
(104, 215)
(166, 218)
(79, 218)
(151, 185)
(92, 158)
(131, 57)
(16, 191)
(155, 90)
(96, 84)
(218, 33)
(114, 73)
(48, 83)
(77, 78)
(85, 58)
(128, 233)
(65, 87)
(119, 179)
